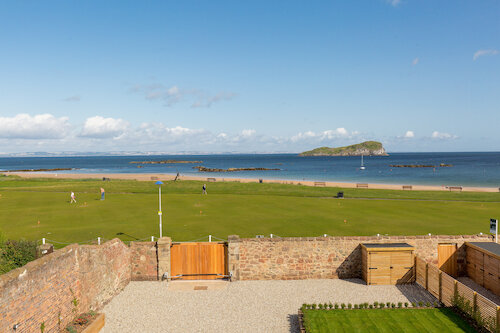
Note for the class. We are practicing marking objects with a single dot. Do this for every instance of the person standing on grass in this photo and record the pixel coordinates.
(102, 193)
(204, 189)
(73, 199)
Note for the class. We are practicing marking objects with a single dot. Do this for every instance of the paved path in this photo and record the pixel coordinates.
(243, 306)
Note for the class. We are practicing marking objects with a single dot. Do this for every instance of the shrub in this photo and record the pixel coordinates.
(320, 306)
(381, 305)
(314, 306)
(355, 306)
(14, 254)
(371, 306)
(420, 303)
(325, 306)
(406, 304)
(436, 304)
(388, 304)
(413, 304)
(428, 304)
(342, 306)
(349, 306)
(330, 305)
(400, 304)
(375, 304)
(393, 305)
(71, 329)
(336, 305)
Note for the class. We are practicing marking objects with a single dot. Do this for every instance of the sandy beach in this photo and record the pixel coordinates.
(166, 177)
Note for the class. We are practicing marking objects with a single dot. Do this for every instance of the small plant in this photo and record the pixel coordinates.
(361, 305)
(356, 306)
(371, 306)
(349, 306)
(320, 306)
(413, 304)
(366, 305)
(388, 304)
(406, 304)
(74, 302)
(428, 304)
(303, 307)
(436, 304)
(336, 305)
(314, 306)
(342, 305)
(393, 305)
(42, 327)
(375, 304)
(71, 329)
(330, 305)
(381, 305)
(420, 304)
(400, 305)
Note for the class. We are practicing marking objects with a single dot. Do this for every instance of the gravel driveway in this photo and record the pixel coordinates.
(243, 306)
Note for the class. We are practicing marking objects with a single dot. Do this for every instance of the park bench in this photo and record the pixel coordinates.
(320, 184)
(154, 178)
(407, 187)
(361, 185)
(211, 179)
(455, 188)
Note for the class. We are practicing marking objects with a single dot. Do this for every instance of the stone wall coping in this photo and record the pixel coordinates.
(359, 238)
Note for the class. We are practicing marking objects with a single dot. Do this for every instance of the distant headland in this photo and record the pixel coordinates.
(367, 148)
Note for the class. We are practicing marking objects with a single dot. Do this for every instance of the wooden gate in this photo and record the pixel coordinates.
(198, 261)
(447, 260)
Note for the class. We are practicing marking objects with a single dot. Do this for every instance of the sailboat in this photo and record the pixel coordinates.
(362, 167)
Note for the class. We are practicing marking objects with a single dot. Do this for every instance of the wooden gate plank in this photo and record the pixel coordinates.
(198, 258)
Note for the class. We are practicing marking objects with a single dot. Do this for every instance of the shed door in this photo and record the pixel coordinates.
(447, 259)
(401, 267)
(380, 268)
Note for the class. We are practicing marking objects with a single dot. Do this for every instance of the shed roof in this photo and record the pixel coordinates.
(384, 245)
(490, 247)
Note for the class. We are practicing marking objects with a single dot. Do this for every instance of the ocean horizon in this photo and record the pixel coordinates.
(468, 168)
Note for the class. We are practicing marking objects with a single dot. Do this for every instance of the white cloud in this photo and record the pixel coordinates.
(409, 134)
(340, 132)
(25, 126)
(174, 95)
(74, 98)
(394, 2)
(247, 132)
(443, 136)
(100, 127)
(415, 61)
(481, 53)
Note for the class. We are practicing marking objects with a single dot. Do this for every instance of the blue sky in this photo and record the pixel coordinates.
(255, 76)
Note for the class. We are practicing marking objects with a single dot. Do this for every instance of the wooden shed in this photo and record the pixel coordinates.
(483, 264)
(387, 263)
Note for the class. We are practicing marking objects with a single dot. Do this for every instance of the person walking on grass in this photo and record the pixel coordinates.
(102, 193)
(73, 198)
(204, 189)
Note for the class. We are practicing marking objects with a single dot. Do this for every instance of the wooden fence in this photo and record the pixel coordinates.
(445, 288)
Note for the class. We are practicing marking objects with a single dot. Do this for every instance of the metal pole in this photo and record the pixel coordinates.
(159, 203)
(43, 240)
(210, 238)
(152, 238)
(98, 240)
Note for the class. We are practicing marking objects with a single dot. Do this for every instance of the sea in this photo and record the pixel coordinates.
(480, 169)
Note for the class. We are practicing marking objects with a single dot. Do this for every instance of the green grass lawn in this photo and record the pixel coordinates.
(437, 320)
(231, 208)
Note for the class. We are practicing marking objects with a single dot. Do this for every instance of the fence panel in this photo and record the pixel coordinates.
(447, 289)
(420, 271)
(488, 311)
(433, 280)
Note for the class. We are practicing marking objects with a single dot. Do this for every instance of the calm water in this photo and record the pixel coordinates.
(469, 169)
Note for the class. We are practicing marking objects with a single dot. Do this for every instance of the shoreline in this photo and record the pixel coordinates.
(167, 177)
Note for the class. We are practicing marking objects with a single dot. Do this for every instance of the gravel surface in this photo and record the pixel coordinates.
(243, 306)
(480, 290)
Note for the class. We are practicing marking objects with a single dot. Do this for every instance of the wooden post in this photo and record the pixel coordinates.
(455, 290)
(426, 276)
(440, 286)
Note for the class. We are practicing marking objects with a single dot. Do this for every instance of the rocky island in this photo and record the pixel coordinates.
(204, 169)
(367, 148)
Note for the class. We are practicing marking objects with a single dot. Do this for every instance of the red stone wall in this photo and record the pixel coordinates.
(321, 257)
(43, 290)
(144, 261)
